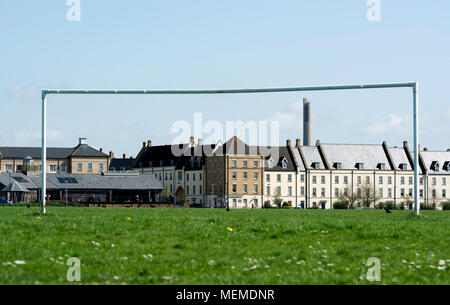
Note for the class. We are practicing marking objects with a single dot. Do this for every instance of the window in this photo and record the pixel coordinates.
(268, 190)
(360, 166)
(53, 168)
(359, 179)
(245, 164)
(421, 193)
(336, 192)
(180, 175)
(380, 180)
(289, 190)
(346, 192)
(433, 181)
(410, 180)
(245, 188)
(234, 175)
(187, 189)
(402, 180)
(170, 176)
(338, 165)
(267, 177)
(316, 165)
(278, 190)
(322, 192)
(410, 192)
(284, 164)
(322, 179)
(245, 202)
(302, 178)
(345, 179)
(314, 192)
(244, 175)
(270, 163)
(234, 188)
(255, 175)
(67, 180)
(233, 163)
(193, 177)
(402, 192)
(403, 166)
(199, 176)
(421, 180)
(8, 167)
(193, 190)
(444, 194)
(80, 167)
(444, 181)
(390, 193)
(64, 168)
(278, 177)
(382, 166)
(187, 177)
(255, 163)
(255, 188)
(302, 191)
(336, 179)
(200, 190)
(433, 193)
(234, 203)
(100, 167)
(380, 192)
(289, 178)
(368, 179)
(314, 179)
(389, 180)
(167, 177)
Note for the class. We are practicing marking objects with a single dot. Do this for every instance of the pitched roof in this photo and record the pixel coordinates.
(84, 150)
(283, 154)
(312, 155)
(15, 187)
(430, 157)
(35, 152)
(399, 156)
(351, 154)
(121, 163)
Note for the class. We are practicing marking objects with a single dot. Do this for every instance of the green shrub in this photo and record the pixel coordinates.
(267, 205)
(286, 205)
(446, 206)
(340, 205)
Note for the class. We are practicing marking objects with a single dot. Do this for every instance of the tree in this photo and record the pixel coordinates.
(348, 198)
(277, 199)
(166, 192)
(366, 195)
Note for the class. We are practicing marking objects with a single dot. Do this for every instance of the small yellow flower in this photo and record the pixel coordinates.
(18, 214)
(413, 244)
(230, 229)
(39, 217)
(128, 218)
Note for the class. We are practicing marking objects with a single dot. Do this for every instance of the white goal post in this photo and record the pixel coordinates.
(413, 85)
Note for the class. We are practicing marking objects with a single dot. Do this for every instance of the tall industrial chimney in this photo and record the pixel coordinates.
(306, 122)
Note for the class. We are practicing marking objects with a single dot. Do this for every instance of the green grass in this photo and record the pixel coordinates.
(193, 246)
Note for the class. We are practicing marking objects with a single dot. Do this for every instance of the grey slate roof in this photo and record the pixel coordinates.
(283, 153)
(121, 163)
(398, 157)
(298, 158)
(440, 156)
(351, 154)
(35, 152)
(15, 187)
(88, 182)
(84, 150)
(312, 155)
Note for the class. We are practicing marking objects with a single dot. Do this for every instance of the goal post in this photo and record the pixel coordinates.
(46, 92)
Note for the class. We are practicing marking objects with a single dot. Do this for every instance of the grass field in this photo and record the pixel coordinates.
(209, 246)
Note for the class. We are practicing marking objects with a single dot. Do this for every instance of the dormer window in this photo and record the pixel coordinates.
(316, 165)
(435, 166)
(382, 166)
(338, 165)
(161, 163)
(360, 166)
(284, 164)
(447, 166)
(403, 166)
(270, 163)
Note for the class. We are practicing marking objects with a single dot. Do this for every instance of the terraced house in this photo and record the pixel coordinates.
(82, 159)
(318, 176)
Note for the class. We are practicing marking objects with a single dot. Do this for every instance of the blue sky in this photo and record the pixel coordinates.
(222, 44)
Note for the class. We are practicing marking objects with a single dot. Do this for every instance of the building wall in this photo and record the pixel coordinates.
(85, 162)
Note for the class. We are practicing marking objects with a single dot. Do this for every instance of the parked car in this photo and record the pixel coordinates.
(5, 201)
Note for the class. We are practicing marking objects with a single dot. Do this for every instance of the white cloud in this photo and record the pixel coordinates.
(25, 94)
(388, 124)
(30, 138)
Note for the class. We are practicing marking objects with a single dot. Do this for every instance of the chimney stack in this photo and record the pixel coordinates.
(143, 144)
(124, 156)
(425, 149)
(405, 143)
(149, 143)
(101, 149)
(83, 141)
(192, 142)
(297, 143)
(111, 155)
(306, 122)
(200, 142)
(288, 143)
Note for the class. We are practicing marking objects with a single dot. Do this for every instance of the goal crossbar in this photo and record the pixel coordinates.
(46, 92)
